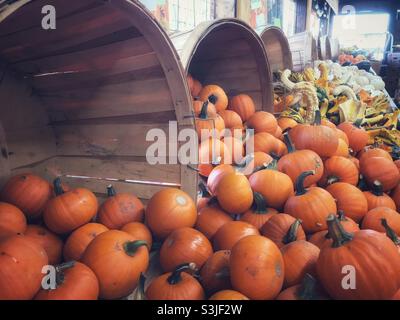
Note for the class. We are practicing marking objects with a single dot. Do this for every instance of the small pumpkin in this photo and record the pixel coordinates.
(276, 196)
(253, 162)
(74, 281)
(215, 274)
(234, 193)
(339, 169)
(257, 276)
(231, 232)
(231, 119)
(117, 260)
(228, 295)
(28, 192)
(265, 142)
(139, 231)
(377, 198)
(325, 122)
(350, 199)
(342, 149)
(176, 285)
(216, 95)
(119, 209)
(382, 170)
(285, 123)
(391, 234)
(184, 245)
(78, 240)
(194, 86)
(259, 213)
(206, 108)
(372, 219)
(213, 151)
(50, 242)
(307, 290)
(243, 105)
(358, 137)
(262, 121)
(168, 210)
(216, 175)
(69, 210)
(311, 205)
(12, 220)
(210, 219)
(235, 150)
(367, 153)
(205, 169)
(207, 124)
(283, 229)
(364, 250)
(21, 263)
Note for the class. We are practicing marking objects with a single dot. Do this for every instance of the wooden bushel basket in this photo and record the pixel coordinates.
(78, 101)
(304, 50)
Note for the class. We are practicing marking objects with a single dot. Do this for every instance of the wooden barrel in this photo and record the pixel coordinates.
(228, 53)
(303, 47)
(324, 48)
(277, 47)
(78, 101)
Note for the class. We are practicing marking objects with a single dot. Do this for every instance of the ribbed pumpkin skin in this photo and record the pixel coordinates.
(358, 137)
(214, 274)
(367, 251)
(375, 201)
(372, 219)
(257, 268)
(230, 233)
(139, 231)
(12, 220)
(216, 175)
(221, 102)
(210, 219)
(243, 105)
(382, 170)
(262, 121)
(228, 295)
(343, 169)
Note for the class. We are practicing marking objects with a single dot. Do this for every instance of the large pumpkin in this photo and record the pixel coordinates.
(372, 219)
(257, 268)
(176, 285)
(12, 220)
(339, 169)
(216, 95)
(139, 231)
(276, 196)
(234, 193)
(311, 205)
(298, 161)
(210, 219)
(283, 229)
(228, 295)
(78, 240)
(28, 192)
(50, 242)
(74, 281)
(230, 233)
(216, 175)
(168, 210)
(262, 121)
(358, 137)
(120, 209)
(117, 260)
(259, 213)
(350, 199)
(184, 245)
(377, 198)
(243, 105)
(69, 210)
(214, 275)
(382, 170)
(358, 254)
(21, 263)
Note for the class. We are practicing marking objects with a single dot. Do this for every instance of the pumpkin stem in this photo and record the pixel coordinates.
(291, 235)
(259, 205)
(300, 189)
(60, 276)
(317, 118)
(111, 191)
(213, 99)
(58, 190)
(307, 288)
(274, 156)
(341, 215)
(176, 275)
(288, 142)
(377, 188)
(337, 232)
(204, 111)
(390, 232)
(131, 247)
(358, 123)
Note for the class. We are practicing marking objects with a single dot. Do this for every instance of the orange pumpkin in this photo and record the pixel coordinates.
(194, 86)
(210, 219)
(235, 150)
(278, 133)
(212, 151)
(243, 105)
(339, 169)
(382, 170)
(391, 234)
(78, 241)
(12, 220)
(117, 260)
(214, 274)
(286, 123)
(216, 175)
(342, 135)
(168, 210)
(377, 198)
(358, 137)
(228, 295)
(69, 210)
(342, 149)
(184, 245)
(139, 231)
(207, 125)
(325, 122)
(372, 219)
(216, 95)
(120, 209)
(254, 162)
(367, 153)
(205, 169)
(262, 121)
(259, 214)
(231, 119)
(231, 232)
(28, 192)
(307, 290)
(207, 108)
(395, 197)
(257, 268)
(74, 281)
(311, 205)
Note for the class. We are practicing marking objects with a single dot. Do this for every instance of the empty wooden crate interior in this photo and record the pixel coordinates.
(78, 101)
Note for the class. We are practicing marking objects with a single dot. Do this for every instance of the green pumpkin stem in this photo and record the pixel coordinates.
(336, 232)
(213, 99)
(390, 232)
(307, 288)
(60, 276)
(111, 191)
(176, 275)
(288, 142)
(58, 190)
(317, 118)
(259, 205)
(131, 247)
(341, 215)
(377, 189)
(300, 189)
(204, 111)
(291, 235)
